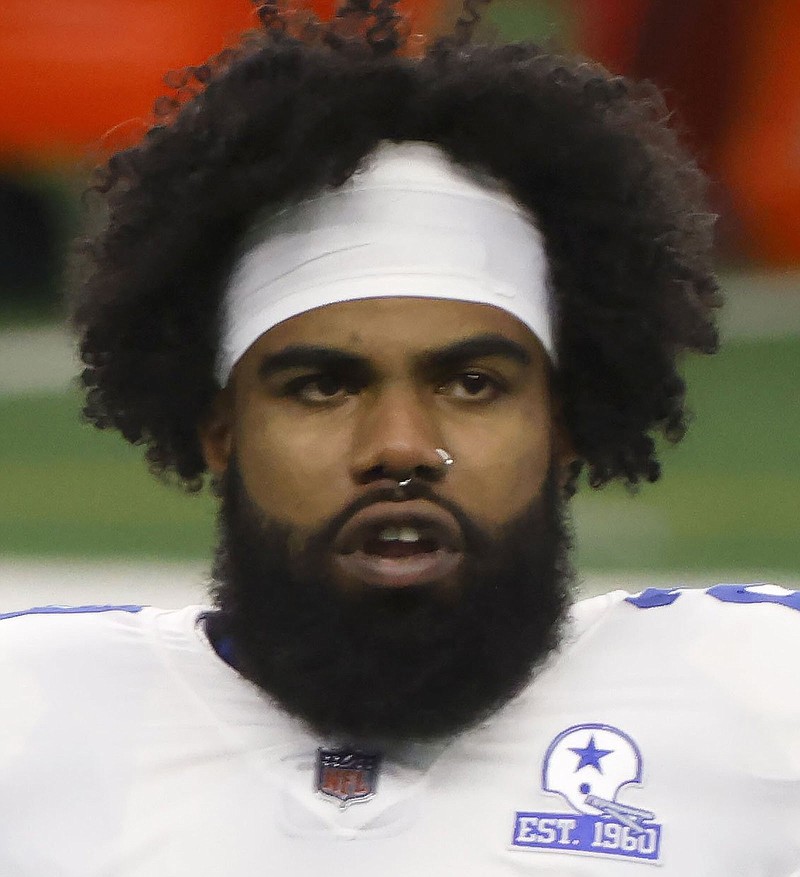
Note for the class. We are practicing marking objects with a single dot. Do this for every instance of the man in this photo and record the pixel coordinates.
(393, 307)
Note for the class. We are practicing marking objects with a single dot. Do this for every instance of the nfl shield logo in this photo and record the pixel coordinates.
(347, 775)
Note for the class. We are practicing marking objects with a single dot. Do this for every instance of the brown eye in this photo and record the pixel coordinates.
(474, 383)
(317, 389)
(473, 386)
(326, 386)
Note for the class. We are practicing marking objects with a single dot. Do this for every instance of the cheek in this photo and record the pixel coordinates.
(505, 468)
(290, 472)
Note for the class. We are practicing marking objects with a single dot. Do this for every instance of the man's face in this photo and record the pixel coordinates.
(325, 414)
(311, 439)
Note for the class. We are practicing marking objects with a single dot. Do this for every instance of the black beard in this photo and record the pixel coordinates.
(413, 663)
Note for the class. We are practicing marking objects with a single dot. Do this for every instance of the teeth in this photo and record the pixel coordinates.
(399, 534)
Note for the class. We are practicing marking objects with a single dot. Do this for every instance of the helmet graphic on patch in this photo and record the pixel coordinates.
(588, 764)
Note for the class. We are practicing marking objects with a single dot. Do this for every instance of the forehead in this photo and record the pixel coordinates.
(393, 327)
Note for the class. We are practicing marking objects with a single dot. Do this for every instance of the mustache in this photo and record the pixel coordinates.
(476, 539)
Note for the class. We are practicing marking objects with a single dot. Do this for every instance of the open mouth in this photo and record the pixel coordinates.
(399, 546)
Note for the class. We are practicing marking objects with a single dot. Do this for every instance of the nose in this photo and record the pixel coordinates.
(397, 438)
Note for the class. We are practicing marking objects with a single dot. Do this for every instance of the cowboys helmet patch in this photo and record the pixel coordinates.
(589, 766)
(347, 775)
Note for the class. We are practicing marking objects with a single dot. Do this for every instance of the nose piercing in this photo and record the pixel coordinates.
(446, 458)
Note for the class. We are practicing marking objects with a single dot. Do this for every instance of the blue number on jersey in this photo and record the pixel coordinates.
(653, 597)
(741, 594)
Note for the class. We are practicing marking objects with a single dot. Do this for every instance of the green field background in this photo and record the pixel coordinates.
(729, 499)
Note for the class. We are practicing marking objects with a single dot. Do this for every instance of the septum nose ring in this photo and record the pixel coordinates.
(447, 460)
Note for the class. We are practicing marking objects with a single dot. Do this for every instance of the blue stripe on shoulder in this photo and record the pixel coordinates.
(653, 597)
(69, 610)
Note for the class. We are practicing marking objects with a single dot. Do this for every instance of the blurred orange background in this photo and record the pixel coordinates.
(81, 68)
(81, 76)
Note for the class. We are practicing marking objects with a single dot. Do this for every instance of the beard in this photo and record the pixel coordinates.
(413, 663)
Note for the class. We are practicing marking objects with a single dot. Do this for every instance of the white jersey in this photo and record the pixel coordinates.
(666, 731)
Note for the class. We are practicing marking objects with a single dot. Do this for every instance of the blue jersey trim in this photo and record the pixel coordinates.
(222, 644)
(69, 610)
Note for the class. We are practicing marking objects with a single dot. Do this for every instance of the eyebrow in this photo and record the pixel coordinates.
(320, 356)
(309, 356)
(477, 347)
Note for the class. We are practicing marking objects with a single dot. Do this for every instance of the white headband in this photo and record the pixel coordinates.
(410, 223)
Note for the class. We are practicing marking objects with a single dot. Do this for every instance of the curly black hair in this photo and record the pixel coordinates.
(294, 109)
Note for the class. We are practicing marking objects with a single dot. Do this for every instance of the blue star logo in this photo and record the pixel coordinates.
(590, 755)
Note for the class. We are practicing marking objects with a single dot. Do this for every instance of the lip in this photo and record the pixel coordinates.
(398, 572)
(432, 521)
